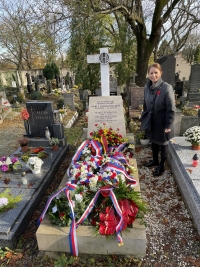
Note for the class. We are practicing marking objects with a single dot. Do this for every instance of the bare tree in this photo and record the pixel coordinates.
(150, 22)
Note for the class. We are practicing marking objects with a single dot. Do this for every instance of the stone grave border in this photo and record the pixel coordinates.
(180, 158)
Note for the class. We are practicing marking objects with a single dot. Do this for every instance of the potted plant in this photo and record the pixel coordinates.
(24, 143)
(140, 135)
(8, 164)
(54, 142)
(192, 135)
(34, 163)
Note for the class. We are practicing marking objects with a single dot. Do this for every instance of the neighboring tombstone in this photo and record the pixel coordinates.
(137, 97)
(14, 85)
(57, 81)
(29, 85)
(49, 86)
(195, 78)
(70, 82)
(168, 65)
(37, 86)
(98, 91)
(69, 100)
(32, 78)
(179, 89)
(85, 95)
(41, 116)
(113, 85)
(81, 93)
(104, 58)
(107, 110)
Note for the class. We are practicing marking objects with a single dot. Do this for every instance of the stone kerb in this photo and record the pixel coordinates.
(54, 238)
(180, 159)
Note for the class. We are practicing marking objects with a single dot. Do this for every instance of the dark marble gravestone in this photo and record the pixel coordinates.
(194, 83)
(41, 116)
(69, 100)
(137, 97)
(179, 87)
(195, 78)
(168, 65)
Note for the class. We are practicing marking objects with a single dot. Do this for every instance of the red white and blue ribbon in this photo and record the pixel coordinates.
(72, 232)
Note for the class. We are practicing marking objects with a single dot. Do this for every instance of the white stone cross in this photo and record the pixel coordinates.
(104, 58)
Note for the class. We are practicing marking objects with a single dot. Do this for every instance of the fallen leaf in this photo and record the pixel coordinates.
(6, 180)
(189, 170)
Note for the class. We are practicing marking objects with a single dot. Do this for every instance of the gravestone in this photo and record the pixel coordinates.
(41, 116)
(104, 58)
(179, 87)
(137, 97)
(194, 85)
(168, 65)
(113, 85)
(29, 84)
(69, 100)
(14, 84)
(109, 110)
(81, 93)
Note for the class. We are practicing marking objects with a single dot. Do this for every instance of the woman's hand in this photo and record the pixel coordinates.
(167, 130)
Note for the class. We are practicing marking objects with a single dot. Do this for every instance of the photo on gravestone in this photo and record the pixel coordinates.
(41, 116)
(168, 65)
(69, 100)
(108, 110)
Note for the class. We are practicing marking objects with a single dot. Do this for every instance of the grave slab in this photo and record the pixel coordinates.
(187, 177)
(13, 222)
(55, 238)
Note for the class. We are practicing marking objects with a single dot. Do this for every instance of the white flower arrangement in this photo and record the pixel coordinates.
(192, 135)
(34, 163)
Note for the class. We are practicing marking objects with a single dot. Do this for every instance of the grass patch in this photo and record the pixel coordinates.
(73, 135)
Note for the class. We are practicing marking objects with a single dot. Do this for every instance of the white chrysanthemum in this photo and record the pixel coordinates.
(3, 202)
(121, 177)
(79, 198)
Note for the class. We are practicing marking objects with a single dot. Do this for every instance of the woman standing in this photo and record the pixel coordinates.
(159, 95)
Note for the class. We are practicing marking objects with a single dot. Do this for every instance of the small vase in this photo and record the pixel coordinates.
(36, 170)
(196, 147)
(27, 127)
(144, 141)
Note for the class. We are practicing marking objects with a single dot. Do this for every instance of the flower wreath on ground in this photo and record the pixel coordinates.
(100, 190)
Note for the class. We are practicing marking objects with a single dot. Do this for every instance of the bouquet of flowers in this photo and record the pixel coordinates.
(100, 190)
(34, 163)
(7, 163)
(24, 114)
(193, 135)
(112, 137)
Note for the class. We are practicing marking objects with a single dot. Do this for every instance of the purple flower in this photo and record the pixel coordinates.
(3, 158)
(14, 160)
(4, 167)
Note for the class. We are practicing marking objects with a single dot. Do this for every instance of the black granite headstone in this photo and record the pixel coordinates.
(195, 78)
(69, 100)
(179, 87)
(29, 85)
(41, 116)
(168, 65)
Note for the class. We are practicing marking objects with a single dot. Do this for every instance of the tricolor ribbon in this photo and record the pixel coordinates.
(117, 208)
(72, 232)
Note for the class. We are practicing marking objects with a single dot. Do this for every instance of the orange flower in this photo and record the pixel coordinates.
(24, 114)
